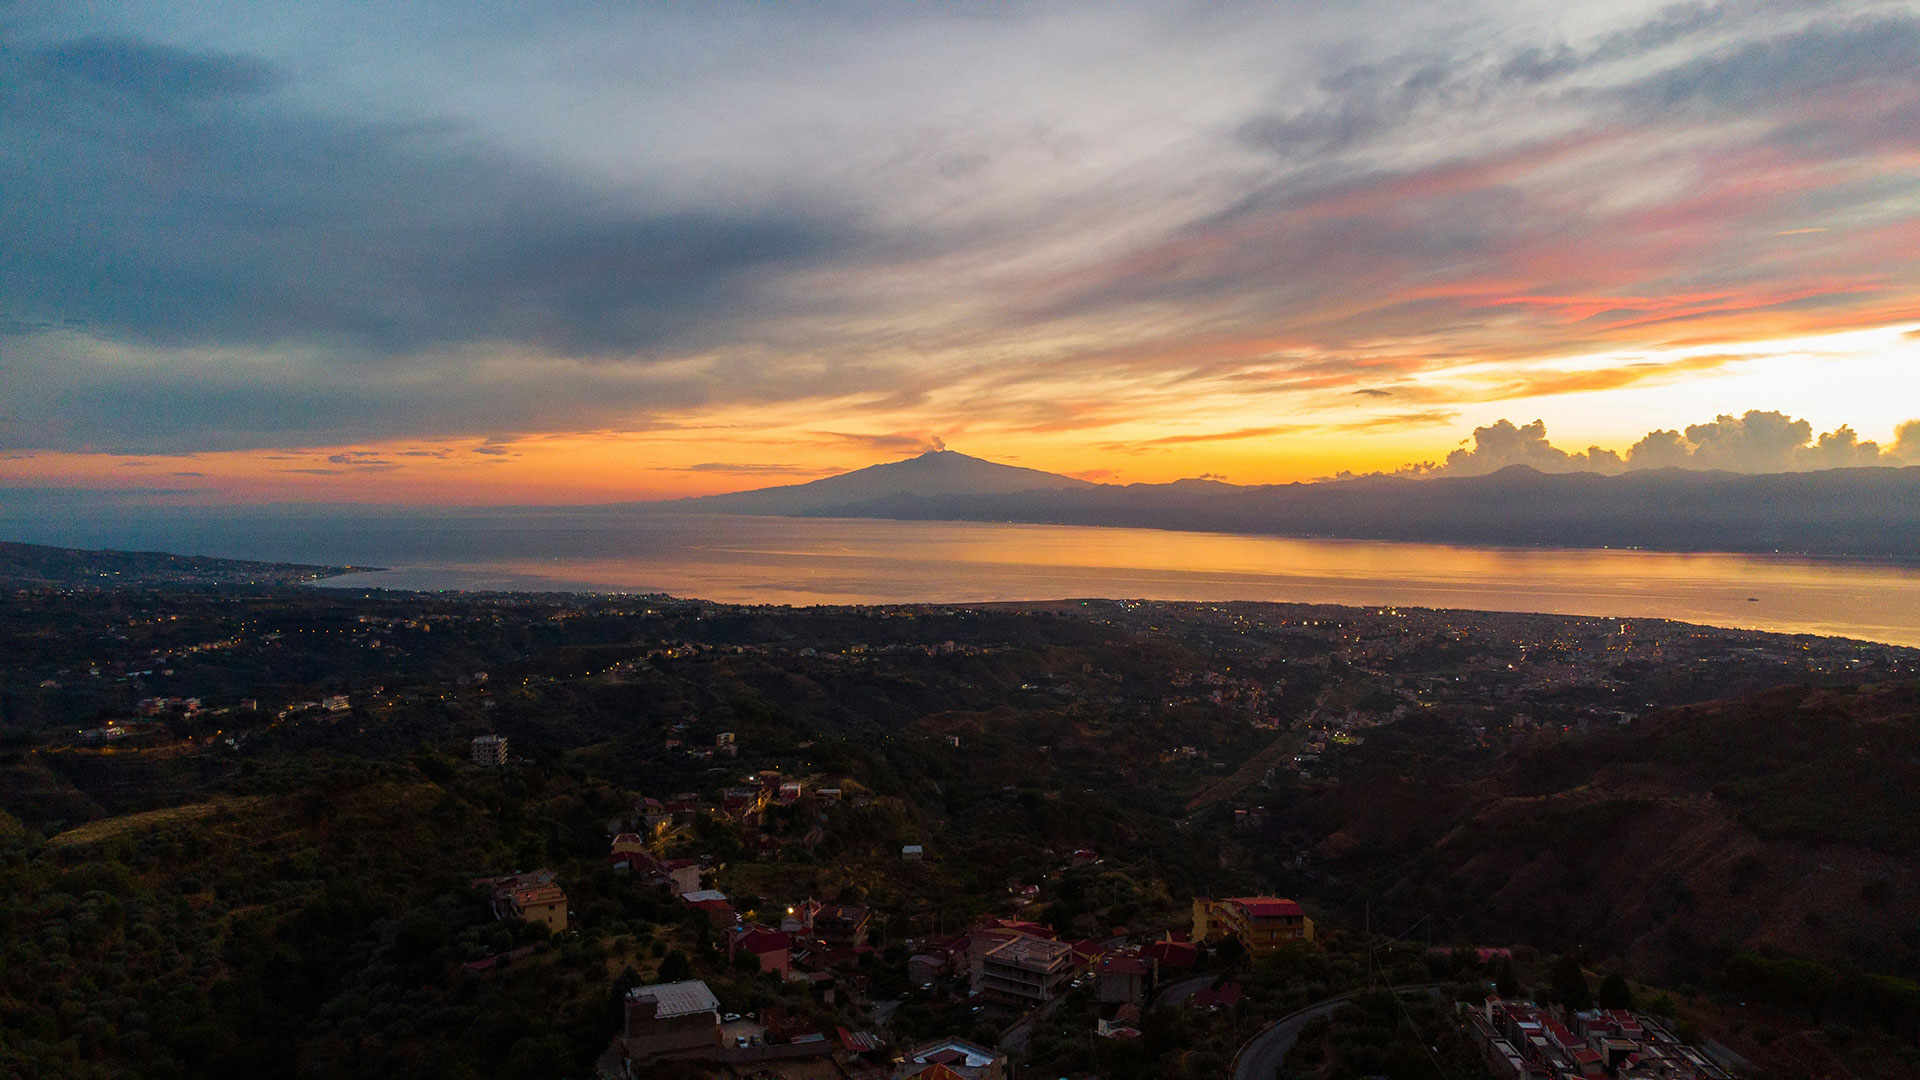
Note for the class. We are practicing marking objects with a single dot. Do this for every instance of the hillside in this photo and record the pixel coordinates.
(255, 857)
(36, 564)
(1780, 822)
(308, 919)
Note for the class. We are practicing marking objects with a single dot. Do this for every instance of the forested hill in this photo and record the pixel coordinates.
(1776, 823)
(36, 564)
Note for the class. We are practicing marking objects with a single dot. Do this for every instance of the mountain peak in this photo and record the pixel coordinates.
(930, 474)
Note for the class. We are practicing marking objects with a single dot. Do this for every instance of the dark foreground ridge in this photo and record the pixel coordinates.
(1862, 513)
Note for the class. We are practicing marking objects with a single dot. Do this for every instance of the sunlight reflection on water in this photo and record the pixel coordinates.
(832, 561)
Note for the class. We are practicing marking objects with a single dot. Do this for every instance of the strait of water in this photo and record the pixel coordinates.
(840, 561)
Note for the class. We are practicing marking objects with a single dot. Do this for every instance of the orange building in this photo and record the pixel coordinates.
(544, 904)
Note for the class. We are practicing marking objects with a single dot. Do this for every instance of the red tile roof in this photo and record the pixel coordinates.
(1173, 954)
(1030, 928)
(1265, 907)
(759, 941)
(539, 894)
(859, 1042)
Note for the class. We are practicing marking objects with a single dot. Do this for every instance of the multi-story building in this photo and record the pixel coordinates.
(1025, 971)
(773, 949)
(544, 904)
(1122, 978)
(489, 750)
(842, 926)
(668, 1017)
(531, 896)
(1262, 924)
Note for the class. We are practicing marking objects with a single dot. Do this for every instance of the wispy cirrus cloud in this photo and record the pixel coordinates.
(731, 468)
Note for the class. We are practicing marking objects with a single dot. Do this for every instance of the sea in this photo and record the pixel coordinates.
(804, 561)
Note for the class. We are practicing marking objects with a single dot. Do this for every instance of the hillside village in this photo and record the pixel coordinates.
(654, 837)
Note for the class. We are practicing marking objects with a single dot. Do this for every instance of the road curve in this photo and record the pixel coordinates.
(1174, 995)
(1261, 1057)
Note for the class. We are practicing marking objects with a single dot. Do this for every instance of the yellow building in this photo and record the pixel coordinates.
(542, 904)
(1263, 924)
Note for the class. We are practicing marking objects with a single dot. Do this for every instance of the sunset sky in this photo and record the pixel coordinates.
(483, 253)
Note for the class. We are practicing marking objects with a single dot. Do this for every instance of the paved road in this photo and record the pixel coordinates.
(1174, 995)
(1014, 1039)
(1263, 1054)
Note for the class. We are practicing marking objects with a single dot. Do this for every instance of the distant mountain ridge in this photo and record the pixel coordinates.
(1865, 512)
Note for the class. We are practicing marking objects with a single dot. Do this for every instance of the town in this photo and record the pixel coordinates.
(1081, 838)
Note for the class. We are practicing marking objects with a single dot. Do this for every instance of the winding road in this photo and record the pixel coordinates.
(1174, 995)
(1262, 1056)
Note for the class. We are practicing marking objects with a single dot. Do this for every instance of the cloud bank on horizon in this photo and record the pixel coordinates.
(671, 246)
(1758, 442)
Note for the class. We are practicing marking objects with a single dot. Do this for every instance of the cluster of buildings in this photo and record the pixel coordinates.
(744, 806)
(332, 703)
(161, 706)
(1022, 964)
(1523, 1041)
(682, 1021)
(1500, 675)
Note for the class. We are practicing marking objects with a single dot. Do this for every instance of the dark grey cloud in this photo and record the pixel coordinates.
(1746, 57)
(170, 197)
(898, 442)
(119, 68)
(310, 278)
(1777, 70)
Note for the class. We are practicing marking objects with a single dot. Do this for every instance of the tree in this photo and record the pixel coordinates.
(1570, 984)
(1805, 983)
(1614, 992)
(1505, 982)
(1892, 1002)
(675, 968)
